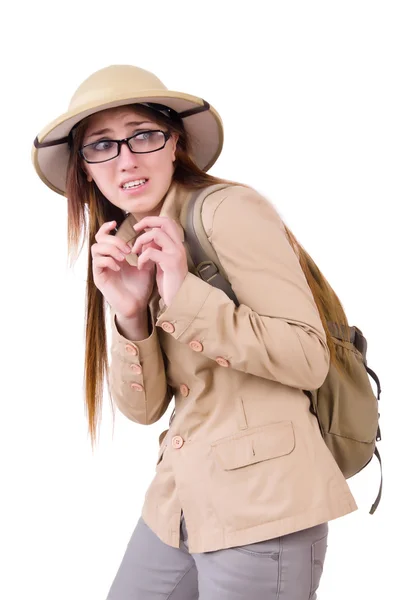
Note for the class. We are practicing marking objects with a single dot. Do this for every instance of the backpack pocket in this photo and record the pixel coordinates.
(347, 411)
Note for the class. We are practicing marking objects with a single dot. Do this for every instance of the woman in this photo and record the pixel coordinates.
(244, 485)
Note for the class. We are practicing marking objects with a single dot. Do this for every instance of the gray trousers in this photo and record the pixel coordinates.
(284, 568)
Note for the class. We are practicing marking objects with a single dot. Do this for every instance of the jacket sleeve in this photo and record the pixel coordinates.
(137, 379)
(276, 332)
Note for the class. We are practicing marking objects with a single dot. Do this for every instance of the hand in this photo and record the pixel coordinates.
(125, 287)
(169, 255)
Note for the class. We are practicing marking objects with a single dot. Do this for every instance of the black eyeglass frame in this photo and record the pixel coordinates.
(119, 143)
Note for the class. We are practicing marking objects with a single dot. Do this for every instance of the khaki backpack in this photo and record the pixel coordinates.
(345, 406)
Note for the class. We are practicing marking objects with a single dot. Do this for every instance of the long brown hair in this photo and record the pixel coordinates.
(88, 209)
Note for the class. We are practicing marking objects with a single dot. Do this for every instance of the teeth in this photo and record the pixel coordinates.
(131, 184)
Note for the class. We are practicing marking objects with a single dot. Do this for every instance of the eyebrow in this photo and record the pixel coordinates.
(106, 130)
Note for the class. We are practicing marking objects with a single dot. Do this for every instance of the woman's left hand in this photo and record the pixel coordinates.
(162, 244)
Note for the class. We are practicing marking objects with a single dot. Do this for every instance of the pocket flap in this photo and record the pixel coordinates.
(255, 445)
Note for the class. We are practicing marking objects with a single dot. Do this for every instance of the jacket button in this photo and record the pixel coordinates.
(177, 442)
(136, 369)
(131, 349)
(196, 346)
(222, 361)
(184, 390)
(168, 327)
(137, 387)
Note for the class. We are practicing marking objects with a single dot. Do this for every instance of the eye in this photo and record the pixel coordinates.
(146, 135)
(102, 145)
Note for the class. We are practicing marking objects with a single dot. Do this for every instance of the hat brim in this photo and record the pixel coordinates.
(204, 129)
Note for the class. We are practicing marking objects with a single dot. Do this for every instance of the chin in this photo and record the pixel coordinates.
(142, 207)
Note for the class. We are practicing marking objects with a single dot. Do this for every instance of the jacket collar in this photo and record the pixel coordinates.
(173, 202)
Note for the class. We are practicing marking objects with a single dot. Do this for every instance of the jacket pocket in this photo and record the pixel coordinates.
(255, 445)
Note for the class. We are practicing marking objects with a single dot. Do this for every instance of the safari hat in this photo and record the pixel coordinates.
(118, 85)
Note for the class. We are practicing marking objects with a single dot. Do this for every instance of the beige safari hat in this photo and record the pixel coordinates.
(118, 85)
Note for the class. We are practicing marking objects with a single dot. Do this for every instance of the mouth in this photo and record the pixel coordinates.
(129, 186)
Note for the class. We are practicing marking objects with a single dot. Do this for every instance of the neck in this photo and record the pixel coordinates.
(169, 195)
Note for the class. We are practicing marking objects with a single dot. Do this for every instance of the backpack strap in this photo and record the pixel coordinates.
(378, 438)
(376, 379)
(375, 504)
(203, 255)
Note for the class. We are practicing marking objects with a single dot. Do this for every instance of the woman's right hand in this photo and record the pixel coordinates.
(125, 287)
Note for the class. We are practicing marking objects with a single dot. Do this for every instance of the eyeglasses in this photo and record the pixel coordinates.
(142, 142)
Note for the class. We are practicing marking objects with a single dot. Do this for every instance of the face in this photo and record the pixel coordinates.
(152, 173)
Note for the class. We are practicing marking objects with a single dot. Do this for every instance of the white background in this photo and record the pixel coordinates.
(307, 93)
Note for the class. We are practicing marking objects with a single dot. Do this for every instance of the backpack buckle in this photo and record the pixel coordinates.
(207, 270)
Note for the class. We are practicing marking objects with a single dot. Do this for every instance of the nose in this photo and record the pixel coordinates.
(127, 159)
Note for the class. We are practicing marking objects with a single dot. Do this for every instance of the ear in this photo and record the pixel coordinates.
(174, 140)
(83, 165)
(89, 178)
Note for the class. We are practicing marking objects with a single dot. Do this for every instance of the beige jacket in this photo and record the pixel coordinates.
(243, 458)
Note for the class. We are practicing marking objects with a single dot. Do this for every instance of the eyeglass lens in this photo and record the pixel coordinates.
(141, 143)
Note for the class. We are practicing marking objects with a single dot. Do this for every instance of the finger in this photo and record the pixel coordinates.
(110, 249)
(105, 238)
(105, 229)
(150, 254)
(164, 223)
(148, 266)
(114, 241)
(102, 236)
(105, 262)
(157, 235)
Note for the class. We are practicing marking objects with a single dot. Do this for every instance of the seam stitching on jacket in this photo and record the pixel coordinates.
(210, 232)
(196, 315)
